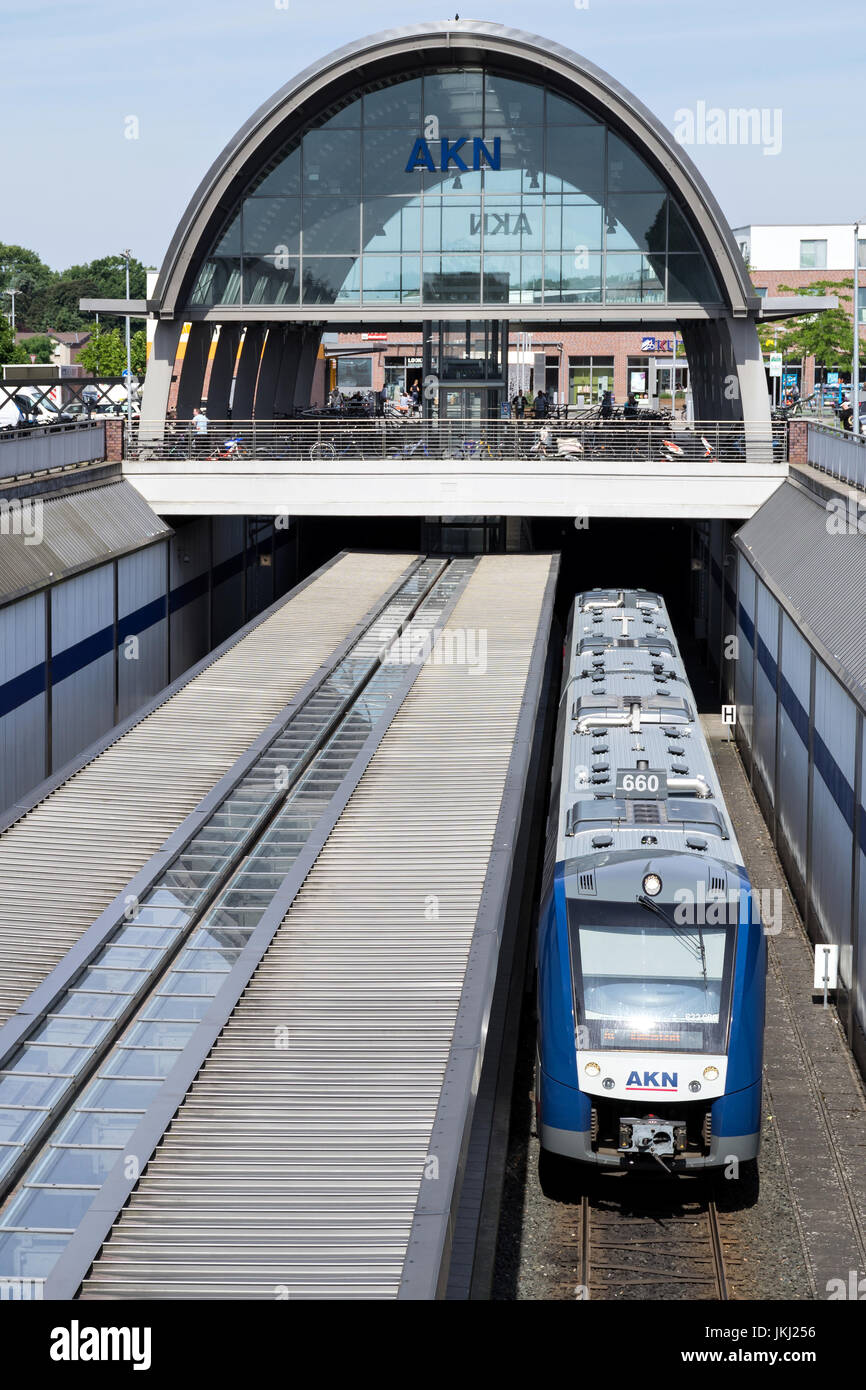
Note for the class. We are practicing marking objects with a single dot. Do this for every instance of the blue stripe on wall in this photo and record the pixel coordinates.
(836, 782)
(748, 626)
(767, 661)
(21, 688)
(795, 710)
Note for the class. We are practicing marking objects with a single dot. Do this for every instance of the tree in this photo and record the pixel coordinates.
(22, 270)
(40, 349)
(105, 354)
(10, 351)
(827, 336)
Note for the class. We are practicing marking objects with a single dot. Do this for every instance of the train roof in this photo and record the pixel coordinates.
(637, 774)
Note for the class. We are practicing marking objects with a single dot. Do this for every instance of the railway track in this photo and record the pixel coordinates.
(636, 1240)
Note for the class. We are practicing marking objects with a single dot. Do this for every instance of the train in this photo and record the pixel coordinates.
(651, 954)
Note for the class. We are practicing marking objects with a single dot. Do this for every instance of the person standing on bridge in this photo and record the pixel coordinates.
(200, 424)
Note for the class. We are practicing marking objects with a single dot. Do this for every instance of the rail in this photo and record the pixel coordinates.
(338, 438)
(837, 452)
(41, 448)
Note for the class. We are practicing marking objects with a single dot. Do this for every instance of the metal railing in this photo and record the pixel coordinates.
(838, 452)
(41, 448)
(360, 439)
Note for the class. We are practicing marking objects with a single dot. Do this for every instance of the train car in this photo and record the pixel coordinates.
(651, 953)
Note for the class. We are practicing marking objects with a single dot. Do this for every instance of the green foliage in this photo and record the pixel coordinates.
(49, 299)
(10, 351)
(39, 349)
(827, 336)
(105, 354)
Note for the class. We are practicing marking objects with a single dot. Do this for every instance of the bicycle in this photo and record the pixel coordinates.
(327, 449)
(232, 449)
(477, 448)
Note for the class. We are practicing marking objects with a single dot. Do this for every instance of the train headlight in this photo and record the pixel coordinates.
(652, 885)
(608, 1083)
(592, 1069)
(694, 1085)
(711, 1073)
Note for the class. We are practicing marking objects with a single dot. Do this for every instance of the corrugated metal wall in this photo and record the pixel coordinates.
(800, 719)
(109, 636)
(22, 697)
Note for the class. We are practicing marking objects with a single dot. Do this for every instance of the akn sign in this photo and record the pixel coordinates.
(450, 156)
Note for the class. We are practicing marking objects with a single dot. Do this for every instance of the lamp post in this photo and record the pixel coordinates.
(13, 294)
(855, 363)
(126, 255)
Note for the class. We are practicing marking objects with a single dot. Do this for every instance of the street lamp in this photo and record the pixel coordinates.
(126, 255)
(13, 294)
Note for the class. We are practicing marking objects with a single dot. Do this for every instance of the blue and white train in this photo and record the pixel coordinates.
(651, 953)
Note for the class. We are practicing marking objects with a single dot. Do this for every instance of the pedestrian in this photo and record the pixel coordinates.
(540, 405)
(606, 405)
(415, 395)
(200, 424)
(518, 405)
(381, 400)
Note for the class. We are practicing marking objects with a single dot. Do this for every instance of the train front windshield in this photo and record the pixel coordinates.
(641, 983)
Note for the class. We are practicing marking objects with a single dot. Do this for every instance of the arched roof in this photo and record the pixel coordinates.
(442, 44)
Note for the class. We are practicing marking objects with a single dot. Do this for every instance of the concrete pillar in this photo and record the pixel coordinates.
(306, 368)
(248, 371)
(222, 371)
(269, 372)
(193, 368)
(284, 393)
(157, 380)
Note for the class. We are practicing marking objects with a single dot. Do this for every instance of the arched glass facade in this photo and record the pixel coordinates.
(539, 203)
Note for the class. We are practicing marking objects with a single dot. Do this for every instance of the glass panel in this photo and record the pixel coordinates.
(285, 178)
(630, 279)
(113, 981)
(86, 1127)
(393, 278)
(636, 221)
(84, 1005)
(136, 1061)
(18, 1125)
(626, 171)
(456, 99)
(30, 1256)
(31, 1090)
(229, 242)
(334, 280)
(144, 936)
(332, 226)
(386, 155)
(188, 982)
(513, 224)
(60, 1210)
(680, 235)
(392, 224)
(161, 1034)
(332, 163)
(85, 1166)
(115, 956)
(452, 280)
(219, 282)
(163, 1006)
(203, 958)
(580, 277)
(120, 1095)
(452, 225)
(563, 112)
(272, 226)
(399, 105)
(271, 281)
(571, 223)
(689, 278)
(575, 159)
(508, 102)
(521, 161)
(348, 116)
(9, 1154)
(49, 1061)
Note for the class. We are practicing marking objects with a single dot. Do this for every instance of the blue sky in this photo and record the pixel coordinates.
(192, 71)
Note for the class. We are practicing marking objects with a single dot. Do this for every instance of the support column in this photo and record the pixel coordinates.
(306, 367)
(248, 371)
(222, 371)
(157, 381)
(269, 372)
(191, 383)
(284, 392)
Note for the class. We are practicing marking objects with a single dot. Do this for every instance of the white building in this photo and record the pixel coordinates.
(799, 246)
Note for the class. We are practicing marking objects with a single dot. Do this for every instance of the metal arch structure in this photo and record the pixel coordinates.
(721, 339)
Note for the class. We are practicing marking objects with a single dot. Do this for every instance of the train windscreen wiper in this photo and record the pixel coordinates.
(699, 954)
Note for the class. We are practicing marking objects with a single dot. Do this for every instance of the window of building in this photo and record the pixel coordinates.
(548, 205)
(813, 255)
(588, 379)
(354, 373)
